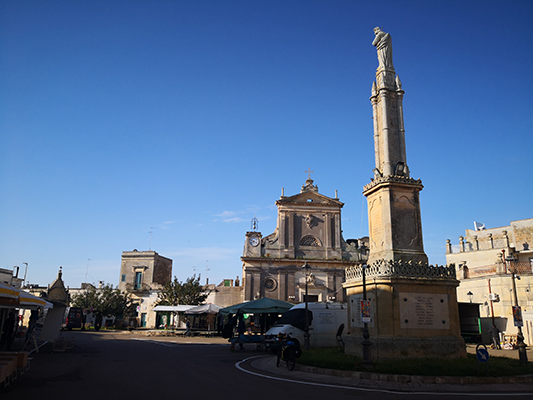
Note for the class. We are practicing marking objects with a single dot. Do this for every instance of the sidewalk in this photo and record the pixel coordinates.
(471, 348)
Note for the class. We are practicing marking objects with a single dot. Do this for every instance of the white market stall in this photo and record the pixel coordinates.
(204, 316)
(168, 316)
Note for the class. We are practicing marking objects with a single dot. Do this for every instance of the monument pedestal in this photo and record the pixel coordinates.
(411, 309)
(394, 219)
(383, 348)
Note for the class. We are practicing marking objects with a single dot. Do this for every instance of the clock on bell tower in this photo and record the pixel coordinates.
(252, 246)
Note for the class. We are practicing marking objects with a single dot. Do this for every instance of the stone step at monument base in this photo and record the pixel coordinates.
(407, 347)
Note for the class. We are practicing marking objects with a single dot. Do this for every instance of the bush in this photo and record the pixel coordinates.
(334, 358)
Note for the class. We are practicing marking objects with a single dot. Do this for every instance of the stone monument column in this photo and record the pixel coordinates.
(393, 196)
(413, 305)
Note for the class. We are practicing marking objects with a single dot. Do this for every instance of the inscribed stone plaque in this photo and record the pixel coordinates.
(424, 311)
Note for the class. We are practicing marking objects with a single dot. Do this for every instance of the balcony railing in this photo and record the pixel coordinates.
(137, 287)
(483, 244)
(519, 267)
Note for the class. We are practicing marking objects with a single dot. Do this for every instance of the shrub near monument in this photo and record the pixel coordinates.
(333, 358)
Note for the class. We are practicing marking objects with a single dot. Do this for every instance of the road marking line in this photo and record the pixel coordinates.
(238, 366)
(176, 342)
(153, 342)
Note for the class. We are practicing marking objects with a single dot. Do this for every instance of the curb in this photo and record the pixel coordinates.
(462, 380)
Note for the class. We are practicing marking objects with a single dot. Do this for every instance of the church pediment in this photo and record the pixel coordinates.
(309, 198)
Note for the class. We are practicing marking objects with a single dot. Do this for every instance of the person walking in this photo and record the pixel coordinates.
(495, 336)
(241, 328)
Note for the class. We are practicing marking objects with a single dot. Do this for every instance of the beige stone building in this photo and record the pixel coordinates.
(143, 274)
(486, 278)
(308, 230)
(10, 277)
(226, 293)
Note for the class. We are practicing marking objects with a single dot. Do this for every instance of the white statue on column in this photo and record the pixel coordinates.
(383, 43)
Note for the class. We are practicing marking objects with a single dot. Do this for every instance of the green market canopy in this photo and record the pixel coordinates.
(260, 306)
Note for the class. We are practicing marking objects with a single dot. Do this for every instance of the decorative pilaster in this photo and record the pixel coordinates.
(337, 231)
(282, 233)
(292, 216)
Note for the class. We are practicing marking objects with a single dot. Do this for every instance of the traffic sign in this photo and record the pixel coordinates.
(482, 353)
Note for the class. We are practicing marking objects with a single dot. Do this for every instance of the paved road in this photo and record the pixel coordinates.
(128, 366)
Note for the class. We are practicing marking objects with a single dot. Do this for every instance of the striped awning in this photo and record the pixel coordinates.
(11, 297)
(28, 300)
(8, 291)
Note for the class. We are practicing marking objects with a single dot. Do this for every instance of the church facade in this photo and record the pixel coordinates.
(308, 231)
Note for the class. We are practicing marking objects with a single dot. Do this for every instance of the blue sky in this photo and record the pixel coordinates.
(186, 118)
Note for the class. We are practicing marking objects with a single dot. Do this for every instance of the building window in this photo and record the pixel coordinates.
(138, 280)
(270, 284)
(123, 278)
(309, 241)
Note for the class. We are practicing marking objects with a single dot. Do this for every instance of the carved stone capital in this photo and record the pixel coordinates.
(392, 179)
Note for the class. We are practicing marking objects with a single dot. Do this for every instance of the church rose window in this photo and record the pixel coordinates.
(309, 241)
(270, 284)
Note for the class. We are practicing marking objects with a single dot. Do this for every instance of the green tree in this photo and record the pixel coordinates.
(189, 292)
(104, 302)
(114, 302)
(88, 300)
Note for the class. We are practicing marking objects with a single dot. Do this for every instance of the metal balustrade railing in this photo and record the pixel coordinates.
(401, 269)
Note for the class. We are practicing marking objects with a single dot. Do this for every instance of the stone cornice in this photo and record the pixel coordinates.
(392, 179)
(325, 201)
(298, 261)
(318, 208)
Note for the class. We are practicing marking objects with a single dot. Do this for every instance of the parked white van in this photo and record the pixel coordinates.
(324, 322)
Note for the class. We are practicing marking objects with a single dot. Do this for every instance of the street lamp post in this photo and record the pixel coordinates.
(470, 295)
(522, 354)
(366, 334)
(306, 267)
